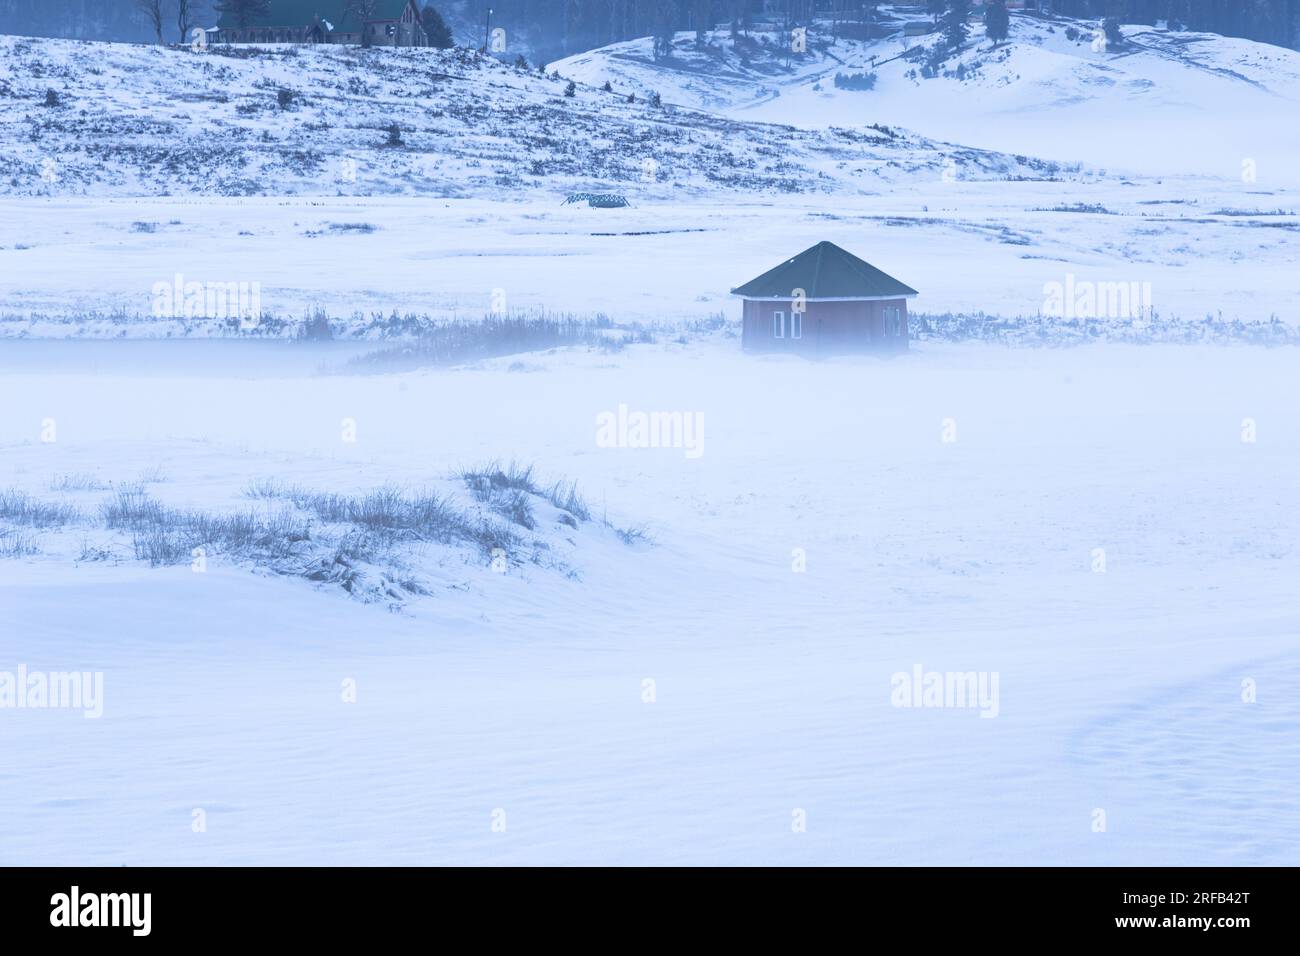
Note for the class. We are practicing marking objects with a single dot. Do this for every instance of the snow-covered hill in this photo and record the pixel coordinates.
(339, 621)
(1160, 103)
(116, 119)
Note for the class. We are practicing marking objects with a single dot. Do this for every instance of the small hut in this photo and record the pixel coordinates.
(824, 301)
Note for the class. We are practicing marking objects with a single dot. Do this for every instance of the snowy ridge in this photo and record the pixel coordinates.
(1142, 105)
(116, 119)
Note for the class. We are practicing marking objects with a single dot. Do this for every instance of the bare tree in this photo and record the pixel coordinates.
(244, 11)
(361, 11)
(153, 12)
(184, 17)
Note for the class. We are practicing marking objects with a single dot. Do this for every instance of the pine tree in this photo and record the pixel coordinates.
(954, 23)
(997, 22)
(1114, 36)
(436, 29)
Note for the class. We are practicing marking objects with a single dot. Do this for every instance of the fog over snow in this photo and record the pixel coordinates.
(362, 501)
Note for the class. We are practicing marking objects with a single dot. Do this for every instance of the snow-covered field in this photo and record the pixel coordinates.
(1204, 247)
(707, 662)
(523, 692)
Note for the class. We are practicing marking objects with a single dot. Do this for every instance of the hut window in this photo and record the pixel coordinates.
(796, 325)
(778, 325)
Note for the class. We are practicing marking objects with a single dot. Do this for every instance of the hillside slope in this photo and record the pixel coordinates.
(114, 119)
(1161, 103)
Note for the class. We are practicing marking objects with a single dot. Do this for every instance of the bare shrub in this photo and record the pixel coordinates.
(93, 552)
(132, 510)
(77, 482)
(514, 506)
(265, 488)
(633, 535)
(493, 475)
(162, 535)
(17, 544)
(359, 542)
(505, 491)
(496, 335)
(390, 513)
(1054, 332)
(18, 507)
(566, 498)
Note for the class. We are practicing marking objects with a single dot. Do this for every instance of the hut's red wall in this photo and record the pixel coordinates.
(829, 328)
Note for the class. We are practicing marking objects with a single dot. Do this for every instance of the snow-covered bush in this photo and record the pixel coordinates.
(17, 507)
(855, 81)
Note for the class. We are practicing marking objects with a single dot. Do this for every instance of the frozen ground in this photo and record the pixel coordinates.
(1205, 247)
(522, 696)
(523, 692)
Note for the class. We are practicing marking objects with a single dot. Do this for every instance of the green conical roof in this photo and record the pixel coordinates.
(296, 13)
(825, 271)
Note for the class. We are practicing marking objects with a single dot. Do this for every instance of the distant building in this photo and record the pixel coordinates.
(824, 301)
(393, 23)
(1032, 6)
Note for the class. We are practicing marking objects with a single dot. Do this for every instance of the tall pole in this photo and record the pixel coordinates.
(487, 30)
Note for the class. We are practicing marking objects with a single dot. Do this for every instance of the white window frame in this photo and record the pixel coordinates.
(778, 325)
(796, 324)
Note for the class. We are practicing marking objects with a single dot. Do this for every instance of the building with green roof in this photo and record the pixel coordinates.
(824, 301)
(391, 23)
